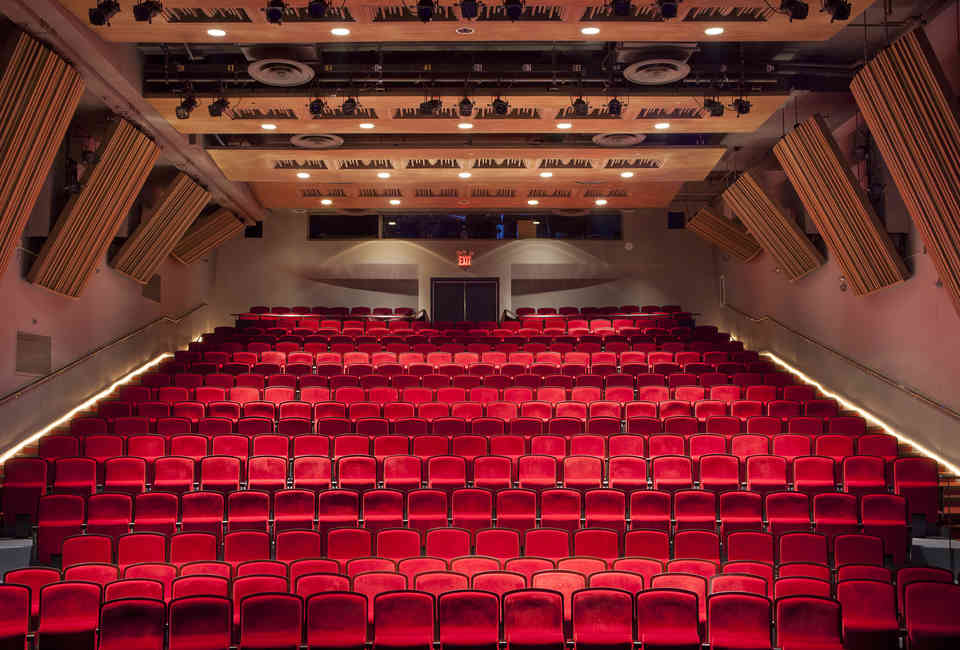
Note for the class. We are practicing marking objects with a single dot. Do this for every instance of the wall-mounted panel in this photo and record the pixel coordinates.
(88, 223)
(39, 92)
(838, 206)
(911, 113)
(778, 234)
(725, 234)
(154, 239)
(205, 234)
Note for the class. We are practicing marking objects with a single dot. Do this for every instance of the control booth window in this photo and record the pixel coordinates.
(340, 226)
(505, 225)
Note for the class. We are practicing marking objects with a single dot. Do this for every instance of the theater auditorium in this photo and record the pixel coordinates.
(479, 325)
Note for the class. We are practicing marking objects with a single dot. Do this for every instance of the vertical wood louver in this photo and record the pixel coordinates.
(726, 234)
(205, 234)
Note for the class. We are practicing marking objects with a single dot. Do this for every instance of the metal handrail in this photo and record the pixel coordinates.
(40, 381)
(929, 401)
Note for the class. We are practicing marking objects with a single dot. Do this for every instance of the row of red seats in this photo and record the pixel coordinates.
(521, 311)
(360, 311)
(651, 326)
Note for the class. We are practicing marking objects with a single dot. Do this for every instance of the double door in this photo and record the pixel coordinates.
(461, 299)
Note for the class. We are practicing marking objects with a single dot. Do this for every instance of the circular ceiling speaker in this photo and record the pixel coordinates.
(656, 72)
(316, 141)
(618, 139)
(280, 72)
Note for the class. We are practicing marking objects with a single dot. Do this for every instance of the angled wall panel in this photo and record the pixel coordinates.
(818, 172)
(156, 236)
(205, 234)
(722, 232)
(88, 223)
(778, 234)
(39, 92)
(912, 117)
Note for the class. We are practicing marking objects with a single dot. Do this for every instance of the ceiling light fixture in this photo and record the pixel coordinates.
(303, 175)
(216, 33)
(601, 201)
(563, 126)
(500, 106)
(103, 12)
(796, 9)
(217, 107)
(143, 12)
(713, 31)
(367, 125)
(394, 201)
(464, 174)
(741, 106)
(274, 11)
(268, 126)
(533, 202)
(425, 10)
(590, 31)
(668, 8)
(431, 106)
(349, 106)
(326, 202)
(391, 223)
(535, 222)
(660, 126)
(469, 9)
(615, 107)
(340, 31)
(546, 174)
(713, 106)
(621, 8)
(465, 125)
(317, 9)
(580, 107)
(838, 9)
(465, 107)
(186, 106)
(626, 174)
(514, 9)
(383, 174)
(317, 106)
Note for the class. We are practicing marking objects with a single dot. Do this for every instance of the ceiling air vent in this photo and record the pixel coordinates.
(280, 72)
(656, 72)
(316, 141)
(618, 139)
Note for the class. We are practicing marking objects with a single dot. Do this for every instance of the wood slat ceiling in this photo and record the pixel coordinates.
(392, 113)
(395, 21)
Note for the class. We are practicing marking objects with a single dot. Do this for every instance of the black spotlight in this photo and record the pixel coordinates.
(317, 9)
(580, 107)
(217, 107)
(103, 12)
(466, 107)
(469, 9)
(425, 10)
(317, 106)
(668, 8)
(796, 9)
(838, 9)
(143, 12)
(514, 9)
(713, 107)
(431, 106)
(500, 106)
(349, 106)
(741, 106)
(621, 8)
(615, 107)
(274, 11)
(187, 104)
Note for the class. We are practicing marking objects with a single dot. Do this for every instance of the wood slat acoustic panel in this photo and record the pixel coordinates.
(154, 239)
(912, 116)
(724, 233)
(838, 206)
(205, 234)
(39, 92)
(88, 223)
(776, 232)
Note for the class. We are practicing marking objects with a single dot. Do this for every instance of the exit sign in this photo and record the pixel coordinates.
(464, 258)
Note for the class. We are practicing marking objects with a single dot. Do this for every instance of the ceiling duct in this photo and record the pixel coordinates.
(656, 66)
(618, 139)
(316, 141)
(280, 66)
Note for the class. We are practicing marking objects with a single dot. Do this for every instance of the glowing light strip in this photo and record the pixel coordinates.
(10, 453)
(866, 415)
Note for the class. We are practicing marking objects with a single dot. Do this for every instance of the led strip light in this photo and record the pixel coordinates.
(10, 453)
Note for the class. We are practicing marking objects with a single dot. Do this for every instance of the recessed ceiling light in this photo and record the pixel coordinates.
(626, 174)
(546, 174)
(533, 202)
(367, 125)
(216, 33)
(303, 175)
(660, 126)
(383, 174)
(326, 202)
(601, 201)
(340, 31)
(590, 31)
(391, 223)
(465, 125)
(536, 223)
(564, 125)
(713, 31)
(464, 174)
(267, 126)
(394, 201)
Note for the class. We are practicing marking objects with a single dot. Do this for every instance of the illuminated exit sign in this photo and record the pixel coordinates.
(464, 258)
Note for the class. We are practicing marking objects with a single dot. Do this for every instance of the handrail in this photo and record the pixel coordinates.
(36, 383)
(929, 401)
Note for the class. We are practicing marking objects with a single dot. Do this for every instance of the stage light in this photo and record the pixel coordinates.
(425, 9)
(741, 106)
(621, 8)
(615, 107)
(349, 106)
(469, 9)
(465, 107)
(514, 9)
(500, 106)
(317, 106)
(143, 12)
(714, 107)
(580, 107)
(796, 9)
(838, 9)
(186, 106)
(668, 8)
(216, 108)
(274, 11)
(103, 12)
(431, 106)
(317, 9)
